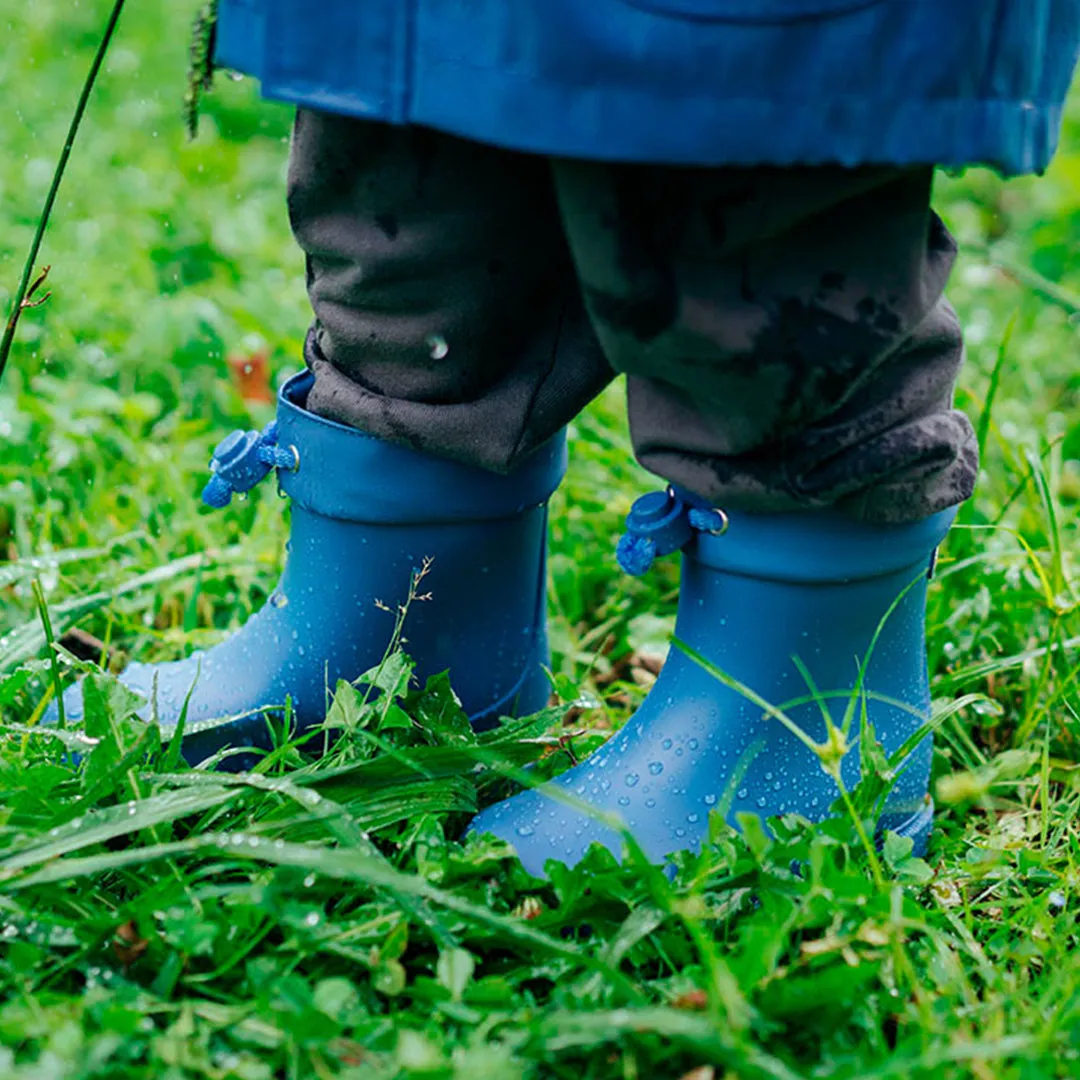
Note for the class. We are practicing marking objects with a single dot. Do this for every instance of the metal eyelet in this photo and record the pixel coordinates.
(724, 518)
(296, 458)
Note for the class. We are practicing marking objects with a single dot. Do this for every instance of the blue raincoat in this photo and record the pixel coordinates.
(710, 82)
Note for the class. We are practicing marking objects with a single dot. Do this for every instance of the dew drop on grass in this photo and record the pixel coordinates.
(309, 881)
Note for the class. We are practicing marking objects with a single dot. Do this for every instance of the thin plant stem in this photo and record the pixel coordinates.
(54, 660)
(22, 294)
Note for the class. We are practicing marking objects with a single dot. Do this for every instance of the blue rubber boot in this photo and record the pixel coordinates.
(760, 596)
(366, 515)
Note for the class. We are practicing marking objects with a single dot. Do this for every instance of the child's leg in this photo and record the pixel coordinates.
(784, 332)
(449, 325)
(447, 313)
(788, 349)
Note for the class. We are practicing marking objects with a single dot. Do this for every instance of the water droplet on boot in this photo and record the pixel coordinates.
(525, 830)
(624, 800)
(632, 779)
(709, 800)
(656, 767)
(437, 346)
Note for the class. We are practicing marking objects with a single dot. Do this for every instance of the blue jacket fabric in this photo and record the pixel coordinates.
(709, 82)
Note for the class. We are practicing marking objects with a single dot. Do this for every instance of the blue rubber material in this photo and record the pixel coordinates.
(918, 826)
(810, 586)
(365, 515)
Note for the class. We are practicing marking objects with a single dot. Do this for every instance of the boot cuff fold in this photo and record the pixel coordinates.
(345, 474)
(820, 546)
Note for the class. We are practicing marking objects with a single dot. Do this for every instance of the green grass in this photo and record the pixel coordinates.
(319, 917)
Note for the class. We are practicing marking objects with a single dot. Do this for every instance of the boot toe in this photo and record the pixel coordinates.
(540, 828)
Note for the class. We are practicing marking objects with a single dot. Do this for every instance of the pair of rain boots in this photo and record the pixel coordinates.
(782, 619)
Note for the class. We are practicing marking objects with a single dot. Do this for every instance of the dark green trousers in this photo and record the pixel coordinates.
(783, 331)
